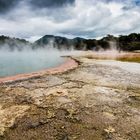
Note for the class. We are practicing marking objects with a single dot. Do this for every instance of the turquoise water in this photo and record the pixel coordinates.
(13, 63)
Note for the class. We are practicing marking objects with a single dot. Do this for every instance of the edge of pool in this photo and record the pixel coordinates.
(69, 64)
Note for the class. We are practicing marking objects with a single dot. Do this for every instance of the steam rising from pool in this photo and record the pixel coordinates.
(26, 61)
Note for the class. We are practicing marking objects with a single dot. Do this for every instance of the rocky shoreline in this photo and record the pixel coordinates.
(92, 101)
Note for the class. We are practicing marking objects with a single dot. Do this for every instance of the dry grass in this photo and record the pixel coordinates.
(131, 57)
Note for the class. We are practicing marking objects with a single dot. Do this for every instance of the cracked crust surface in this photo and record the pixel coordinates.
(95, 101)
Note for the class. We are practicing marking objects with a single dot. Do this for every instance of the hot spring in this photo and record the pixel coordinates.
(13, 63)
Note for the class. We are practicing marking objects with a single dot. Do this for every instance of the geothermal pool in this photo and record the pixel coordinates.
(13, 63)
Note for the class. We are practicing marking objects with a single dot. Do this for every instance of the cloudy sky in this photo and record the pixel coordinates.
(31, 19)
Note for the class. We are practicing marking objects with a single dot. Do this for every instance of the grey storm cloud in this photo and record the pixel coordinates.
(6, 5)
(31, 19)
(50, 3)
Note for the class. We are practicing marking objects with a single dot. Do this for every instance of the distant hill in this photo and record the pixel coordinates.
(11, 44)
(130, 42)
(59, 42)
(126, 43)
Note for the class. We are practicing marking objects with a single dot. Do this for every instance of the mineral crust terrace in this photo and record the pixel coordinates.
(94, 100)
